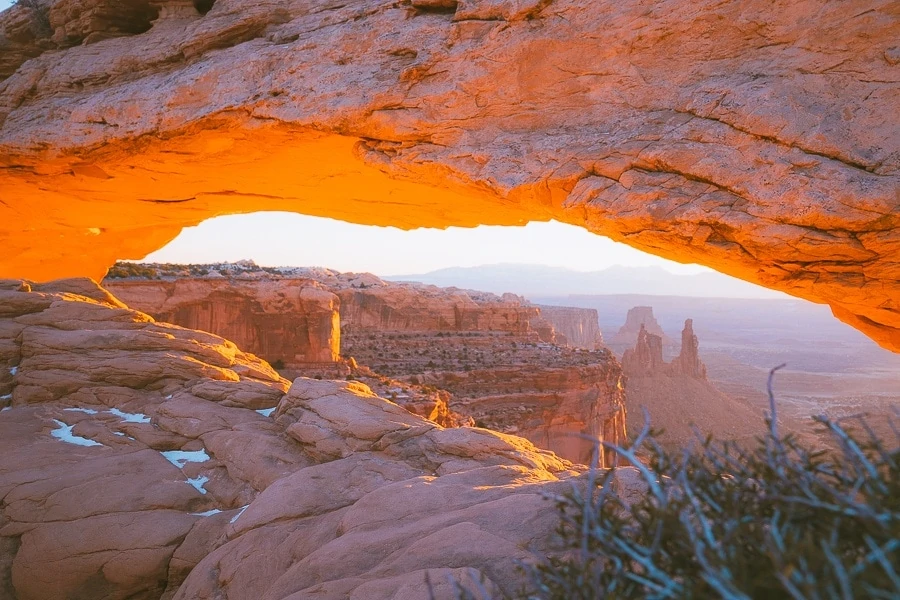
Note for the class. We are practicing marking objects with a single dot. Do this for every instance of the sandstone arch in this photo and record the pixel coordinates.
(758, 137)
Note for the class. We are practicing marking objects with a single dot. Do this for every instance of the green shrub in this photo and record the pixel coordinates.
(122, 270)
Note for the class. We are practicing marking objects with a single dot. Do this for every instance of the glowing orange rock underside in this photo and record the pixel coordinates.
(120, 204)
(768, 153)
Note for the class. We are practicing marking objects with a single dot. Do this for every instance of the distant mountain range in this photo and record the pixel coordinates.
(541, 280)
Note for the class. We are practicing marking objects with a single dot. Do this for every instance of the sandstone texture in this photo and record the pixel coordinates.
(757, 137)
(500, 359)
(677, 395)
(290, 322)
(383, 306)
(456, 357)
(144, 460)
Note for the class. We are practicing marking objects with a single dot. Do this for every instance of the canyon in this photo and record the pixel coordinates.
(292, 322)
(145, 460)
(691, 132)
(209, 432)
(677, 396)
(455, 356)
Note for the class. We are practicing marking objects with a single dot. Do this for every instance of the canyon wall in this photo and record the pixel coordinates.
(144, 460)
(579, 327)
(410, 307)
(638, 318)
(292, 322)
(754, 136)
(566, 409)
(500, 357)
(495, 364)
(413, 343)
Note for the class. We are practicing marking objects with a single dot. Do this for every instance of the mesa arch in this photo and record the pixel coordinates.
(758, 137)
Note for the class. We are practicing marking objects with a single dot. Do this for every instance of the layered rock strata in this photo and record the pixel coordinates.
(144, 460)
(411, 342)
(290, 322)
(576, 327)
(566, 409)
(684, 129)
(485, 351)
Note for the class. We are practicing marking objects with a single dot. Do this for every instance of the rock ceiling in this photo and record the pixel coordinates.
(758, 137)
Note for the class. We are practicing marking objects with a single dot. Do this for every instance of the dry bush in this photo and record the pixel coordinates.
(774, 521)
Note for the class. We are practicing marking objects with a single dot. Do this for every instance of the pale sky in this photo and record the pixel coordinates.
(4, 4)
(288, 239)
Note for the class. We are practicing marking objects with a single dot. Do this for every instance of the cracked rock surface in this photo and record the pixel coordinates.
(758, 137)
(135, 462)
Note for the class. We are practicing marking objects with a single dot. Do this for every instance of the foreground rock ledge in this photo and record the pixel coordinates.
(142, 460)
(760, 138)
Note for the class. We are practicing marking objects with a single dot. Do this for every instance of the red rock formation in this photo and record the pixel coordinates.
(646, 358)
(688, 361)
(564, 409)
(25, 32)
(422, 334)
(490, 354)
(637, 121)
(678, 396)
(137, 460)
(579, 327)
(386, 307)
(290, 321)
(639, 317)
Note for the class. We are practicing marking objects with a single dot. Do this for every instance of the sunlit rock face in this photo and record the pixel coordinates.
(755, 137)
(399, 308)
(143, 460)
(566, 409)
(500, 358)
(292, 321)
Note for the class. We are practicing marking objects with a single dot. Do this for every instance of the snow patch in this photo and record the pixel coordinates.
(267, 412)
(118, 433)
(14, 370)
(5, 408)
(179, 458)
(6, 397)
(197, 483)
(129, 417)
(240, 512)
(64, 433)
(87, 411)
(208, 513)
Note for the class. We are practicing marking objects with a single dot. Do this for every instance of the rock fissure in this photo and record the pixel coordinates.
(868, 168)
